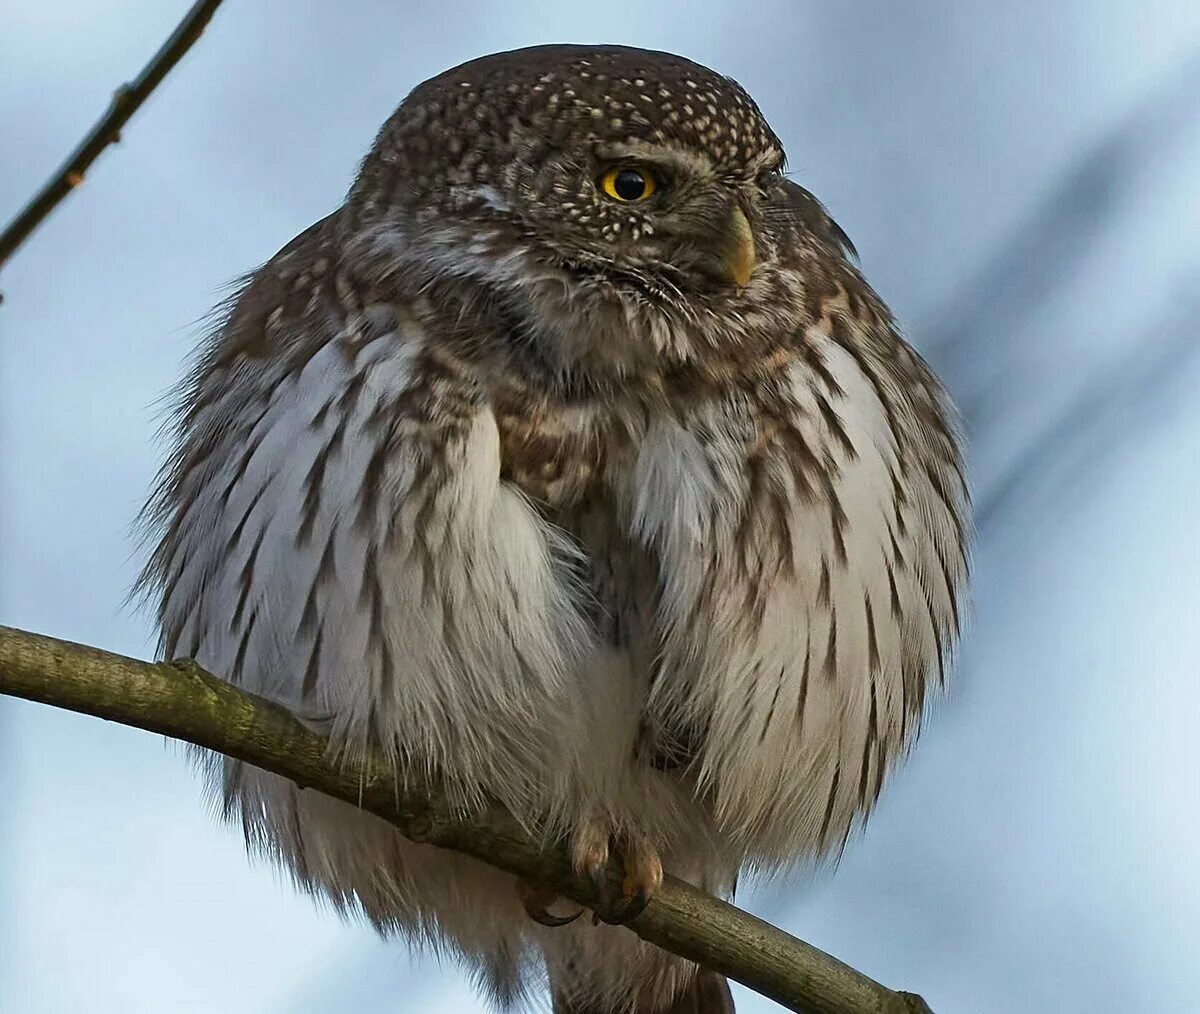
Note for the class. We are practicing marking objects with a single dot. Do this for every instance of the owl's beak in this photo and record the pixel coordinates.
(739, 253)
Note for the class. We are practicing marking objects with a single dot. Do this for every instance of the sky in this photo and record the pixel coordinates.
(1020, 180)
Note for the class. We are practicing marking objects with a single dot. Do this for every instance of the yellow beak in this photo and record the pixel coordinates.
(739, 253)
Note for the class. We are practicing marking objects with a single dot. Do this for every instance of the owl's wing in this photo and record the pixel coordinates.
(811, 216)
(810, 539)
(335, 536)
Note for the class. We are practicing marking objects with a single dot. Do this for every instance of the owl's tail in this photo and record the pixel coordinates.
(707, 993)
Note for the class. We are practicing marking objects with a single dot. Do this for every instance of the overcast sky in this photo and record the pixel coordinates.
(1021, 181)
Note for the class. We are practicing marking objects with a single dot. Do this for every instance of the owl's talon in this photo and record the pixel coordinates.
(625, 885)
(536, 900)
(599, 876)
(635, 905)
(590, 850)
(608, 895)
(618, 910)
(544, 918)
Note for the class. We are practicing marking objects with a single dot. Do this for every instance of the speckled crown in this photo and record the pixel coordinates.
(458, 127)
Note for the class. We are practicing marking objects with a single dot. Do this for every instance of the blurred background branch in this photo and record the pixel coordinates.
(181, 700)
(126, 101)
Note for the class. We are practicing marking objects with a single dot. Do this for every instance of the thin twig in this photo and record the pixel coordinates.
(180, 700)
(125, 102)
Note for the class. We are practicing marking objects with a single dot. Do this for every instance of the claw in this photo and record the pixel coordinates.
(643, 876)
(537, 900)
(589, 850)
(630, 907)
(546, 919)
(621, 893)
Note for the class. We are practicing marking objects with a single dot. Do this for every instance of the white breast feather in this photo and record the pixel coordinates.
(802, 713)
(436, 617)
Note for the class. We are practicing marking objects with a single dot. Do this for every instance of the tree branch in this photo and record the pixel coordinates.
(126, 101)
(181, 700)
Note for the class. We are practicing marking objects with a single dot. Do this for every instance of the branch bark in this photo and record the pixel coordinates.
(181, 700)
(126, 101)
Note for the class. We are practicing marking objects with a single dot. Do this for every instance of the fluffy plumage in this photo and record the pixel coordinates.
(522, 483)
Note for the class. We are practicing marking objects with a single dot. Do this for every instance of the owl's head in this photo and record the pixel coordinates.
(584, 178)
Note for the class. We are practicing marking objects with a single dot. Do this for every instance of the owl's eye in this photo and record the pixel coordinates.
(627, 184)
(768, 180)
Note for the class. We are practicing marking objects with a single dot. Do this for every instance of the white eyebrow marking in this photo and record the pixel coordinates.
(489, 195)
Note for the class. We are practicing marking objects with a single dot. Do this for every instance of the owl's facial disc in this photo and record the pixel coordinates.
(663, 210)
(718, 247)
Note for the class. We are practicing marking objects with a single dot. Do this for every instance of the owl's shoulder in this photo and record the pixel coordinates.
(270, 304)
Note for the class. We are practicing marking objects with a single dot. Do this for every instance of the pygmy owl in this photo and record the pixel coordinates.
(572, 463)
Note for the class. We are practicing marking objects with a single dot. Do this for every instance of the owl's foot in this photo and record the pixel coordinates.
(624, 885)
(537, 900)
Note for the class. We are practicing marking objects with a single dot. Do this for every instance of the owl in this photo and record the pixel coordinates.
(572, 465)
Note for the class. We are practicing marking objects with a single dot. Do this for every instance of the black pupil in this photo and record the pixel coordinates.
(629, 185)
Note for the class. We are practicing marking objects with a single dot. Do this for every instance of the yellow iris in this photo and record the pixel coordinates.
(627, 184)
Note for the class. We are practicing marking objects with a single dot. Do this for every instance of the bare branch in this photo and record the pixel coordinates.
(180, 700)
(126, 101)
